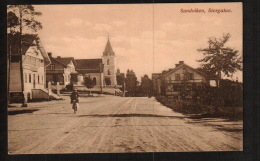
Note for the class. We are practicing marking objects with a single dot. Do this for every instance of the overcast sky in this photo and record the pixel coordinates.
(145, 37)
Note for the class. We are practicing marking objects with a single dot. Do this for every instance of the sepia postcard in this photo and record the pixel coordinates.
(125, 78)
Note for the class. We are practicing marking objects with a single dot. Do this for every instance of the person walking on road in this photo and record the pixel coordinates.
(74, 100)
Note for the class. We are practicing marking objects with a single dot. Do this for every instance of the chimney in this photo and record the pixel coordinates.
(176, 65)
(181, 62)
(50, 54)
(58, 57)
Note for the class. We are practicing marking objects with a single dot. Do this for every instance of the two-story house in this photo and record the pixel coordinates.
(62, 70)
(170, 82)
(34, 61)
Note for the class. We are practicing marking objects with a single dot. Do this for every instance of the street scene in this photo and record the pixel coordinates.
(109, 124)
(125, 78)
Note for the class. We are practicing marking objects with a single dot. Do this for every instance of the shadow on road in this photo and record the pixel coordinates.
(21, 111)
(133, 115)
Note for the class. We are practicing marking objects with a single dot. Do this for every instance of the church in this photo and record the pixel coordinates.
(102, 71)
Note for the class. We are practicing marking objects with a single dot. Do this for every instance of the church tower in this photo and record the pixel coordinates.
(109, 61)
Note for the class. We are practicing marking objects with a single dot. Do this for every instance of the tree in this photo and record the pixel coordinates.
(88, 82)
(120, 79)
(220, 59)
(131, 82)
(22, 17)
(186, 87)
(146, 85)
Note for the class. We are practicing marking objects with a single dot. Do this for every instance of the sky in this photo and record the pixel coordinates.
(147, 38)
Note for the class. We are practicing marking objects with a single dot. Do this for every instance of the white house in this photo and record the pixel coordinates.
(34, 60)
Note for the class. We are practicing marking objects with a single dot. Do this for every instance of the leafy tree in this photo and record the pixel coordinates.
(22, 17)
(88, 82)
(220, 59)
(12, 21)
(146, 85)
(120, 79)
(185, 85)
(108, 81)
(131, 82)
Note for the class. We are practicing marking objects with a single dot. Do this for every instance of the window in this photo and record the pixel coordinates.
(25, 78)
(52, 66)
(169, 79)
(108, 72)
(108, 61)
(33, 60)
(30, 78)
(177, 77)
(42, 79)
(34, 81)
(38, 79)
(37, 61)
(94, 81)
(191, 76)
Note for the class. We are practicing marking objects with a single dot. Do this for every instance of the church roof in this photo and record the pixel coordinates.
(88, 63)
(108, 49)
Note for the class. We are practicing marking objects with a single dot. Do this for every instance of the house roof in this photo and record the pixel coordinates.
(27, 42)
(65, 60)
(108, 49)
(155, 75)
(53, 60)
(174, 69)
(88, 63)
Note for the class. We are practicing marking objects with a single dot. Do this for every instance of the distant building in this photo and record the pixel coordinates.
(102, 70)
(90, 68)
(169, 82)
(62, 70)
(34, 62)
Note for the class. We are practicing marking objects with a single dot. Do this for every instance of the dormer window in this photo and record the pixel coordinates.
(108, 72)
(108, 61)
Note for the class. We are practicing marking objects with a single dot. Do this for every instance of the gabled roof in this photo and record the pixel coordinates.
(88, 63)
(65, 60)
(155, 75)
(27, 42)
(174, 69)
(108, 49)
(57, 61)
(14, 42)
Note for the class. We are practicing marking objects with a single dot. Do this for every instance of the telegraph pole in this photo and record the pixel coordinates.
(101, 70)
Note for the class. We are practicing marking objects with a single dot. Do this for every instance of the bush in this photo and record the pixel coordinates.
(201, 110)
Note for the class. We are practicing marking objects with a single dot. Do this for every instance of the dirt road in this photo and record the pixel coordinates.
(109, 124)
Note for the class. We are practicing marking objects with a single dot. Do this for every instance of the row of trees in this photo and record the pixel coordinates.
(133, 87)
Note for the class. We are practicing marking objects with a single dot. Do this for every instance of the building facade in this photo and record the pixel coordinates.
(34, 62)
(102, 70)
(170, 82)
(62, 70)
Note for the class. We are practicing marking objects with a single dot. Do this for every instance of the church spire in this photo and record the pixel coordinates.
(108, 49)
